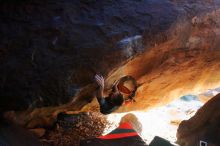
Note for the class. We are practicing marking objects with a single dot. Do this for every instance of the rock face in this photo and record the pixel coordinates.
(188, 63)
(203, 126)
(51, 49)
(14, 135)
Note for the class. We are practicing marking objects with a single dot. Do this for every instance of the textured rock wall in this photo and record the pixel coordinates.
(179, 53)
(189, 63)
(51, 49)
(203, 126)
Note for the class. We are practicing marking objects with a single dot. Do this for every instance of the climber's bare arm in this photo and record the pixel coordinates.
(115, 86)
(100, 81)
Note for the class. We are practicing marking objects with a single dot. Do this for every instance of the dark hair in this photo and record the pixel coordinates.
(118, 100)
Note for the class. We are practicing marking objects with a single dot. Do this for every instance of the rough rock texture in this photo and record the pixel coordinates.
(38, 132)
(188, 63)
(50, 49)
(185, 61)
(14, 135)
(203, 126)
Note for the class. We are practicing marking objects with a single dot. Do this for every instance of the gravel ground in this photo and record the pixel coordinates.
(85, 126)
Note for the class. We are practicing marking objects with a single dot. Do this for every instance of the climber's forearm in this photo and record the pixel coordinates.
(100, 82)
(115, 88)
(99, 93)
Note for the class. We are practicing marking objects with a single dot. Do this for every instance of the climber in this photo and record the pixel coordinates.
(123, 92)
(110, 103)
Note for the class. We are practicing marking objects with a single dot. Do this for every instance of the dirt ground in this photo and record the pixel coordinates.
(82, 126)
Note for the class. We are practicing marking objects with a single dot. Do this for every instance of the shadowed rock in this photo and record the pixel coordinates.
(204, 126)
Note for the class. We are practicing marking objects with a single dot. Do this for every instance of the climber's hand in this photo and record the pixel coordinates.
(100, 81)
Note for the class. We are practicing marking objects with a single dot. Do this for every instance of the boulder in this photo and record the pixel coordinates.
(203, 126)
(49, 49)
(39, 132)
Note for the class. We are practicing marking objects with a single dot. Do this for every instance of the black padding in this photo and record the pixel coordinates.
(128, 141)
(158, 141)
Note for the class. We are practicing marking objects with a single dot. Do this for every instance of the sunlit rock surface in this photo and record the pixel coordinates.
(189, 63)
(186, 64)
(203, 126)
(204, 97)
